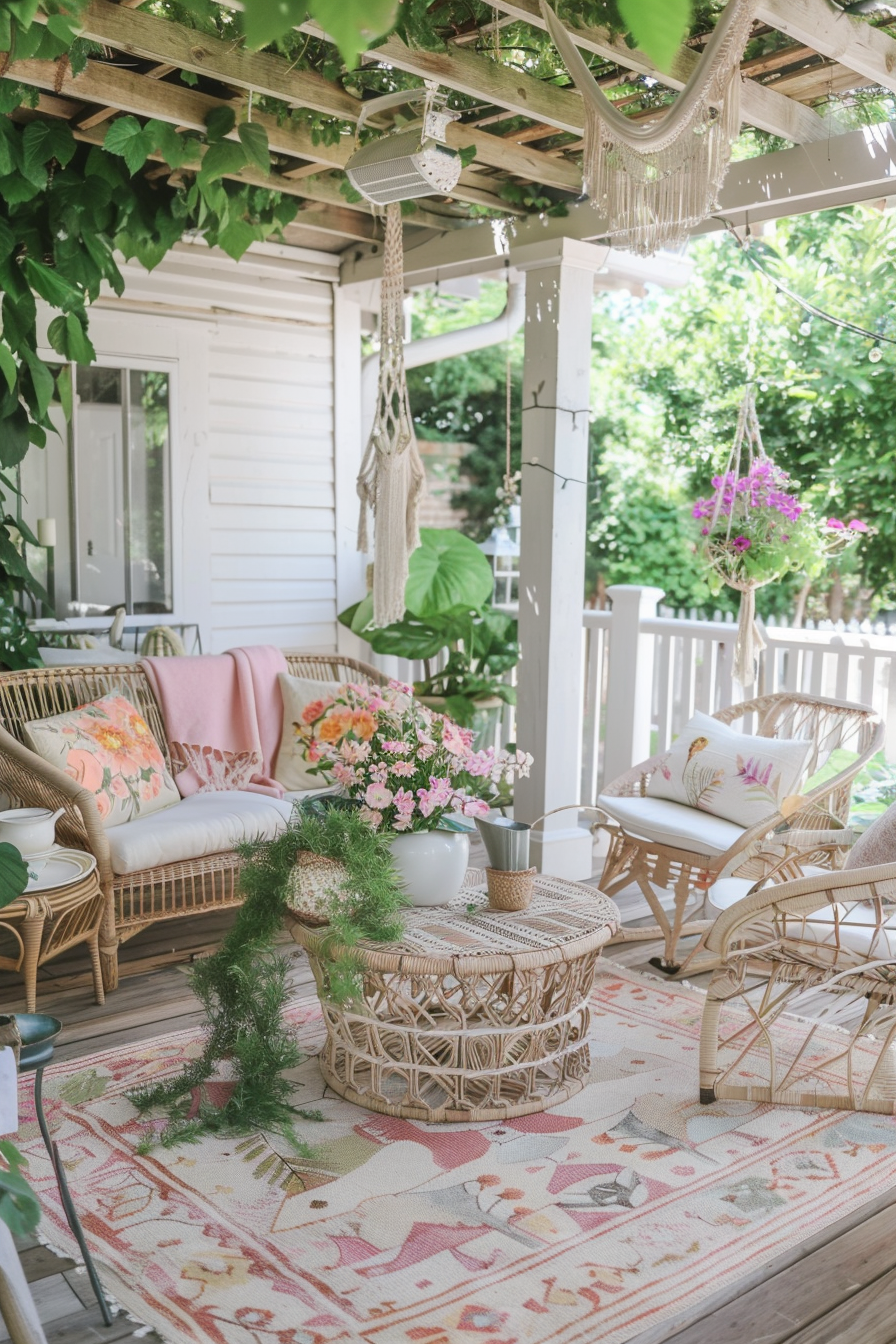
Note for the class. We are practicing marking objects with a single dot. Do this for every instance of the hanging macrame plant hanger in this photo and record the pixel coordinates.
(656, 182)
(746, 451)
(391, 479)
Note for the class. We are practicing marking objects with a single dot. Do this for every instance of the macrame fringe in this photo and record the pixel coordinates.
(749, 643)
(655, 184)
(391, 479)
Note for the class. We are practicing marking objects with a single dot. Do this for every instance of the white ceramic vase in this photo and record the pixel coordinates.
(431, 864)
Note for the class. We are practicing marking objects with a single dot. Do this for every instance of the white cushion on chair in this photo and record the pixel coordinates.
(857, 930)
(204, 823)
(673, 824)
(729, 890)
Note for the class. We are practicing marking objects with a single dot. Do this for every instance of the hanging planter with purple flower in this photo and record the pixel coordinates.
(755, 529)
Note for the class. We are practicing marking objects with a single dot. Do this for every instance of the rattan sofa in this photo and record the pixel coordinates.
(136, 899)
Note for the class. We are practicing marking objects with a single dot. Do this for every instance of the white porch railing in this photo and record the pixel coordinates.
(665, 667)
(689, 666)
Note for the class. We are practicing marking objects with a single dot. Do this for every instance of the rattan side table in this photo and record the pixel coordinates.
(43, 924)
(475, 1014)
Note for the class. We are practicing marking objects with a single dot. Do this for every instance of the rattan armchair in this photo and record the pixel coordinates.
(830, 725)
(798, 959)
(137, 899)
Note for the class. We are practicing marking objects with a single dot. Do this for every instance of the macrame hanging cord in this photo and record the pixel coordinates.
(391, 479)
(747, 443)
(655, 182)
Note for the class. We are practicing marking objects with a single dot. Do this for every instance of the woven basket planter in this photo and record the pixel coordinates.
(510, 890)
(312, 885)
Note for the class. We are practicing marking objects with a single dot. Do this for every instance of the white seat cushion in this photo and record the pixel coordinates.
(856, 930)
(204, 823)
(729, 890)
(673, 824)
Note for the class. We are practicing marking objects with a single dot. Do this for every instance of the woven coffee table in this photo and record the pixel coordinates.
(475, 1014)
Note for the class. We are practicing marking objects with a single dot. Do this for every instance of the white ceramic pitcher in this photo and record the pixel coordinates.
(31, 829)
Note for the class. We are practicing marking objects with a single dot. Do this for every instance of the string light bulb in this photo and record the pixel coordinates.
(875, 354)
(806, 328)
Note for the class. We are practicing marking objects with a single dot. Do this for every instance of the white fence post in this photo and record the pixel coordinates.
(629, 678)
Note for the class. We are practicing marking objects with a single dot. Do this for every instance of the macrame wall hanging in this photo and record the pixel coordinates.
(391, 479)
(654, 183)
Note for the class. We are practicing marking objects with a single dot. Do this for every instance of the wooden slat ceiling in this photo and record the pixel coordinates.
(527, 132)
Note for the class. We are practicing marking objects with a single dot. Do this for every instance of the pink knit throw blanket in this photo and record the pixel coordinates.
(223, 715)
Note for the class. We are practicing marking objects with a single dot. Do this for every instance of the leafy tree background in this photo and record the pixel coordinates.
(668, 378)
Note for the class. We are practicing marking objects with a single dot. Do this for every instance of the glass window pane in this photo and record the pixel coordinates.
(150, 493)
(100, 493)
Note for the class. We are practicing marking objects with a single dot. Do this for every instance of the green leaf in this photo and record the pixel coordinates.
(46, 140)
(13, 874)
(42, 382)
(51, 286)
(15, 188)
(8, 366)
(15, 437)
(657, 26)
(19, 1205)
(254, 139)
(466, 154)
(176, 149)
(64, 391)
(10, 150)
(266, 20)
(220, 159)
(446, 571)
(354, 24)
(237, 238)
(80, 348)
(126, 137)
(220, 122)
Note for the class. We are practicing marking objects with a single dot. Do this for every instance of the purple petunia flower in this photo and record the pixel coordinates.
(742, 543)
(856, 525)
(836, 523)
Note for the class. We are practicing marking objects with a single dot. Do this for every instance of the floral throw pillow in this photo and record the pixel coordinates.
(729, 774)
(108, 748)
(309, 717)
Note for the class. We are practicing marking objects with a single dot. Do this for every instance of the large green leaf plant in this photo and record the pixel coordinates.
(448, 618)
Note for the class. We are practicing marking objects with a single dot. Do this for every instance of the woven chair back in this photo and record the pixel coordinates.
(39, 692)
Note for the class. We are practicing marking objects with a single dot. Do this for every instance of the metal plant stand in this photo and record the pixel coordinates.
(38, 1034)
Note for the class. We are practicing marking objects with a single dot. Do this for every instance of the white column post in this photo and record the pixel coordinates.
(351, 565)
(556, 376)
(629, 678)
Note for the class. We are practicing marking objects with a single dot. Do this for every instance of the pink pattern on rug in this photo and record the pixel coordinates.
(229, 702)
(593, 1226)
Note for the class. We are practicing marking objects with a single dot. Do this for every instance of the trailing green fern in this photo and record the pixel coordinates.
(243, 987)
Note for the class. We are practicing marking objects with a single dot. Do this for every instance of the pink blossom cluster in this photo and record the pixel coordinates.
(764, 487)
(407, 765)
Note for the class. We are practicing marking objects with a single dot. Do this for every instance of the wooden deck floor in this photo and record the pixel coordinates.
(838, 1288)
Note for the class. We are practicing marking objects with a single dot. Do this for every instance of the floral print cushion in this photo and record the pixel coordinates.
(109, 749)
(729, 774)
(310, 716)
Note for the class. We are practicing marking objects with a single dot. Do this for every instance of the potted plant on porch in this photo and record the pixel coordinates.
(466, 646)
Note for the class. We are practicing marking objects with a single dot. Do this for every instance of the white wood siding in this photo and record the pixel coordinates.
(253, 435)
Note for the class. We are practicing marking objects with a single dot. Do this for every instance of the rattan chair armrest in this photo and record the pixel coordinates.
(634, 781)
(801, 897)
(30, 780)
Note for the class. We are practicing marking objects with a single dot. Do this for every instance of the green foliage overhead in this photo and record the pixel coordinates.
(657, 26)
(243, 987)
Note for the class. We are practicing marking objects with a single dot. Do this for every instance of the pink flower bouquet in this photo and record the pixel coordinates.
(407, 765)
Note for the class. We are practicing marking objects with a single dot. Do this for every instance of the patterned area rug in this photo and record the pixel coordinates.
(592, 1221)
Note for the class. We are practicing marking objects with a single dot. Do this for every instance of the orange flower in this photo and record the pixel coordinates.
(313, 711)
(84, 767)
(364, 724)
(335, 725)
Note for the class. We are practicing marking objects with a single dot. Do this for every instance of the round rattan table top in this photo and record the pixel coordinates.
(566, 920)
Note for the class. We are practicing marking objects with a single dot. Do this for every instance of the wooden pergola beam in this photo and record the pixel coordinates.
(156, 39)
(144, 96)
(851, 41)
(760, 106)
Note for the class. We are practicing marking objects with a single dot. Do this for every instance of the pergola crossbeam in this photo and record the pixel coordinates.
(841, 37)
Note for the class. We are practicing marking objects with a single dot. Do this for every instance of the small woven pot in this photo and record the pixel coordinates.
(311, 886)
(510, 890)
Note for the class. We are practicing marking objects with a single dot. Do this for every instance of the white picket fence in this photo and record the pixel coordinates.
(688, 664)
